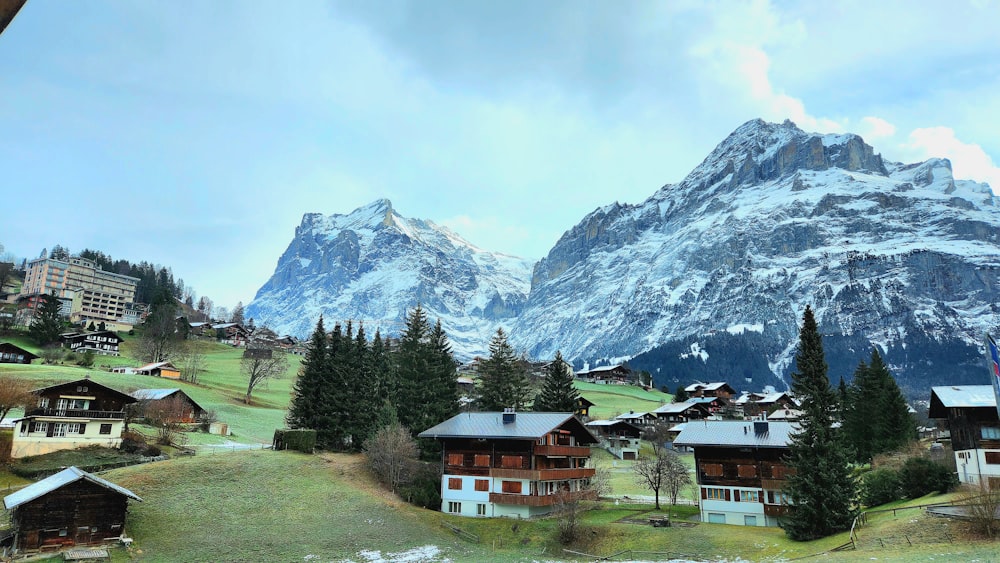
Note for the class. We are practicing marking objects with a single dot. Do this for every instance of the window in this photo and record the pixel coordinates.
(778, 471)
(746, 471)
(456, 459)
(749, 520)
(713, 493)
(993, 457)
(43, 402)
(716, 518)
(454, 507)
(749, 496)
(39, 426)
(990, 432)
(105, 429)
(73, 428)
(454, 483)
(712, 469)
(59, 429)
(78, 404)
(778, 497)
(482, 460)
(480, 510)
(511, 462)
(511, 487)
(482, 485)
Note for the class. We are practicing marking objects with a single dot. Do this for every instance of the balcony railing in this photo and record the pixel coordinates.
(76, 413)
(541, 500)
(569, 451)
(543, 474)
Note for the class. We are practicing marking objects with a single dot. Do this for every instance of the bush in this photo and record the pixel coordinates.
(300, 440)
(921, 476)
(880, 486)
(152, 451)
(424, 488)
(132, 442)
(86, 360)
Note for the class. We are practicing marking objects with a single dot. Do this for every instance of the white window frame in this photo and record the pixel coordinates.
(73, 428)
(59, 429)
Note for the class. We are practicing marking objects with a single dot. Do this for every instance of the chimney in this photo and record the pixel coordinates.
(509, 416)
(760, 427)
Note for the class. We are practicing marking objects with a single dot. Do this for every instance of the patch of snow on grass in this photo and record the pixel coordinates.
(427, 553)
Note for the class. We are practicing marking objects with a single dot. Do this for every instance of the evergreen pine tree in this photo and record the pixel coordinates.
(440, 391)
(504, 381)
(876, 417)
(821, 489)
(307, 391)
(47, 325)
(361, 419)
(558, 392)
(411, 363)
(681, 394)
(334, 402)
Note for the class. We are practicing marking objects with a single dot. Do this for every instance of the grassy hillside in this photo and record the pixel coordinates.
(281, 506)
(612, 400)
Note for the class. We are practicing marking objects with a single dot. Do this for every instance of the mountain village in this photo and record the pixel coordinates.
(724, 451)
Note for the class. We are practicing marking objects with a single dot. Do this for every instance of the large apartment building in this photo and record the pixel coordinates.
(88, 292)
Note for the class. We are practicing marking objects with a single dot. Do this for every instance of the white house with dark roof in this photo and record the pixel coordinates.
(970, 412)
(512, 464)
(740, 469)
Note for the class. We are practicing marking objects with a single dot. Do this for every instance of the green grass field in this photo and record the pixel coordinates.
(612, 400)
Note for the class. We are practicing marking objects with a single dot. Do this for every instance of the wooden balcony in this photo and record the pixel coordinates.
(76, 413)
(543, 474)
(776, 510)
(541, 500)
(568, 451)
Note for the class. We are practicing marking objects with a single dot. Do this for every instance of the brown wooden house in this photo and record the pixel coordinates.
(169, 405)
(512, 464)
(11, 354)
(69, 508)
(99, 341)
(970, 414)
(716, 389)
(740, 469)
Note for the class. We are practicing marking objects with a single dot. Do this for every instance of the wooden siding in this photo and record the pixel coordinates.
(543, 474)
(541, 500)
(87, 512)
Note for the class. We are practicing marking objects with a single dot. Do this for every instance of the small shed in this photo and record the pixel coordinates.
(11, 354)
(165, 370)
(69, 508)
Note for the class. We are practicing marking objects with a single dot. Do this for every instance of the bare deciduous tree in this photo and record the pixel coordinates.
(191, 359)
(983, 504)
(167, 417)
(260, 365)
(664, 470)
(392, 453)
(15, 393)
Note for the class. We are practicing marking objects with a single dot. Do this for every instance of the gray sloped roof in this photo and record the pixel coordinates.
(966, 395)
(153, 394)
(672, 408)
(526, 425)
(735, 433)
(57, 481)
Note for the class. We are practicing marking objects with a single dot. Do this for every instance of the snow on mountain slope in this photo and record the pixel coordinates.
(373, 265)
(774, 219)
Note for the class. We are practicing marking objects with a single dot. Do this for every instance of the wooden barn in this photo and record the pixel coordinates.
(165, 370)
(173, 405)
(67, 509)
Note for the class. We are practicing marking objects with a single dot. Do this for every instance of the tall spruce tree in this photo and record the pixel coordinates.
(504, 380)
(558, 392)
(335, 401)
(307, 391)
(47, 324)
(876, 418)
(411, 363)
(820, 487)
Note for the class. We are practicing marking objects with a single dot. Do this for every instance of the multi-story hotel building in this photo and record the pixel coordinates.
(92, 293)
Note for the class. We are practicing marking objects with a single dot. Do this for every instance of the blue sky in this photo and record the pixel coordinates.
(196, 134)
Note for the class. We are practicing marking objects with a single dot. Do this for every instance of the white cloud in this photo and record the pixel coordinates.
(873, 128)
(968, 160)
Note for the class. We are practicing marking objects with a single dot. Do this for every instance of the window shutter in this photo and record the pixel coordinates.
(736, 496)
(703, 493)
(48, 432)
(727, 495)
(83, 427)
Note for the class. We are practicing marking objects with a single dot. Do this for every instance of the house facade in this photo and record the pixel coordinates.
(677, 413)
(103, 342)
(171, 405)
(618, 437)
(970, 413)
(740, 469)
(71, 415)
(95, 295)
(512, 464)
(610, 375)
(69, 508)
(11, 354)
(716, 389)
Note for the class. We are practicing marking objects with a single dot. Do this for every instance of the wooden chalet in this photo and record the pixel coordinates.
(970, 413)
(12, 354)
(619, 437)
(165, 370)
(610, 375)
(512, 464)
(714, 405)
(752, 405)
(717, 389)
(103, 342)
(67, 509)
(583, 407)
(233, 334)
(640, 419)
(676, 413)
(169, 405)
(71, 415)
(740, 469)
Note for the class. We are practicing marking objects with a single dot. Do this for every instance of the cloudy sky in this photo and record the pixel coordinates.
(195, 135)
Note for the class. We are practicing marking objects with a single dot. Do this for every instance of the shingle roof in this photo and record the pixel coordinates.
(966, 395)
(526, 425)
(735, 433)
(57, 481)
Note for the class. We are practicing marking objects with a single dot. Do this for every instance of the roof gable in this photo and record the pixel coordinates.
(89, 383)
(58, 481)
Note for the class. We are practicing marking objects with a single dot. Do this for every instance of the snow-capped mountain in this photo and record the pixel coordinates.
(373, 265)
(722, 265)
(707, 279)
